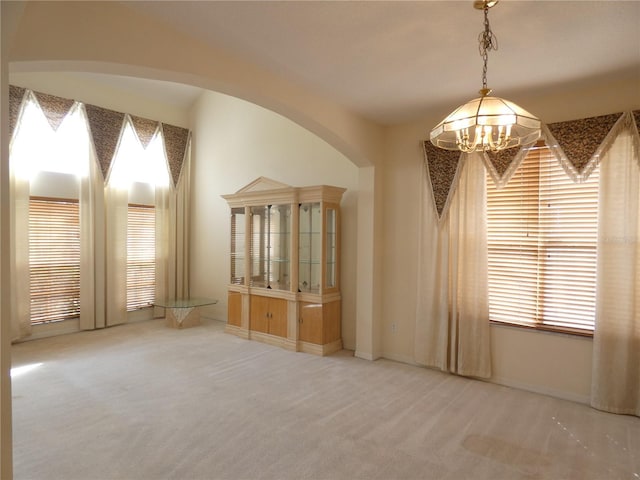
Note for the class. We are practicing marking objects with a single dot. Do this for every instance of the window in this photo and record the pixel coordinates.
(54, 259)
(39, 148)
(141, 256)
(542, 234)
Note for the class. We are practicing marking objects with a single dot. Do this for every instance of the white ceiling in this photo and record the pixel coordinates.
(392, 61)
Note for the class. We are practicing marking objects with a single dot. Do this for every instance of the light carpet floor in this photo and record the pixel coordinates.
(144, 401)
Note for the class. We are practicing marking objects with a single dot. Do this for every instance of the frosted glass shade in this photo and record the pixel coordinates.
(486, 123)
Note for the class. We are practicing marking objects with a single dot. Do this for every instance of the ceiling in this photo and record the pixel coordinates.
(392, 61)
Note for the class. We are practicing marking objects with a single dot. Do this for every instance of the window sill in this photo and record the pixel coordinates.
(545, 329)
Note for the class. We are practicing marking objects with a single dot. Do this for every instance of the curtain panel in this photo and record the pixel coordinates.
(616, 342)
(19, 221)
(452, 326)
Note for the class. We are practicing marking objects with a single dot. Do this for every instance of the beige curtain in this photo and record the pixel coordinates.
(182, 225)
(92, 246)
(616, 344)
(452, 326)
(172, 237)
(19, 247)
(116, 209)
(92, 249)
(165, 244)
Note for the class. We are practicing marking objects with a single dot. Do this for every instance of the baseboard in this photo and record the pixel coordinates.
(366, 355)
(552, 392)
(401, 359)
(573, 397)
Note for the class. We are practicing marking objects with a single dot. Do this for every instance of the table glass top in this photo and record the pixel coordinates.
(185, 303)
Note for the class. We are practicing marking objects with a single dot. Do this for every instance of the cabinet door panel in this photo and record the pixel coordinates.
(259, 311)
(278, 317)
(332, 328)
(310, 329)
(234, 312)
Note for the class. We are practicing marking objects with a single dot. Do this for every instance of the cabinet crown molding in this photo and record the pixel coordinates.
(265, 190)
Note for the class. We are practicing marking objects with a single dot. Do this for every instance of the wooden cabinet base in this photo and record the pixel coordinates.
(285, 343)
(237, 331)
(273, 340)
(323, 350)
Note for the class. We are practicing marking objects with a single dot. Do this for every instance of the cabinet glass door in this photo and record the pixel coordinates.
(310, 248)
(270, 246)
(332, 247)
(238, 239)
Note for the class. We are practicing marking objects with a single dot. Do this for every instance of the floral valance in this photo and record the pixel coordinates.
(105, 127)
(577, 144)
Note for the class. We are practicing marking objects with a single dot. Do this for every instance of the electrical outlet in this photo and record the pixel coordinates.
(394, 327)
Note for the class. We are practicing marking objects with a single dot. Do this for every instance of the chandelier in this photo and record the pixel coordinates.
(486, 123)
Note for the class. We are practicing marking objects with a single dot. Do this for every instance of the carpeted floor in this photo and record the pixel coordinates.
(144, 401)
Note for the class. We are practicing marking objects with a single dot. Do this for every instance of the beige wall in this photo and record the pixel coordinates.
(235, 142)
(6, 448)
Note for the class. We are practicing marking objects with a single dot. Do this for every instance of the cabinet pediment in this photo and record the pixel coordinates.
(262, 183)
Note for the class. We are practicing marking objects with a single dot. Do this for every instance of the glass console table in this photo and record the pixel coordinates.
(183, 313)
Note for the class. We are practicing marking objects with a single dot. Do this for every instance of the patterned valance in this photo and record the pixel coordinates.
(577, 144)
(54, 108)
(145, 129)
(16, 99)
(501, 165)
(636, 126)
(175, 145)
(105, 127)
(442, 168)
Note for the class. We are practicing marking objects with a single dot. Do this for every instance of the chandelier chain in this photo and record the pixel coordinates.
(487, 41)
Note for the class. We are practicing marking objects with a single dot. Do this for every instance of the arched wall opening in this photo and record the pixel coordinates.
(234, 142)
(107, 37)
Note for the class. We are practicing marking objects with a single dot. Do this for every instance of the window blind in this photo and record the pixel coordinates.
(237, 245)
(542, 237)
(141, 256)
(54, 259)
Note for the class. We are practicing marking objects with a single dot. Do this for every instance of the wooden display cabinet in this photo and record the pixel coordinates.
(285, 265)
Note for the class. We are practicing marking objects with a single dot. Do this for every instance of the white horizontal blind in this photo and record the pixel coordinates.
(54, 259)
(237, 245)
(141, 256)
(542, 234)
